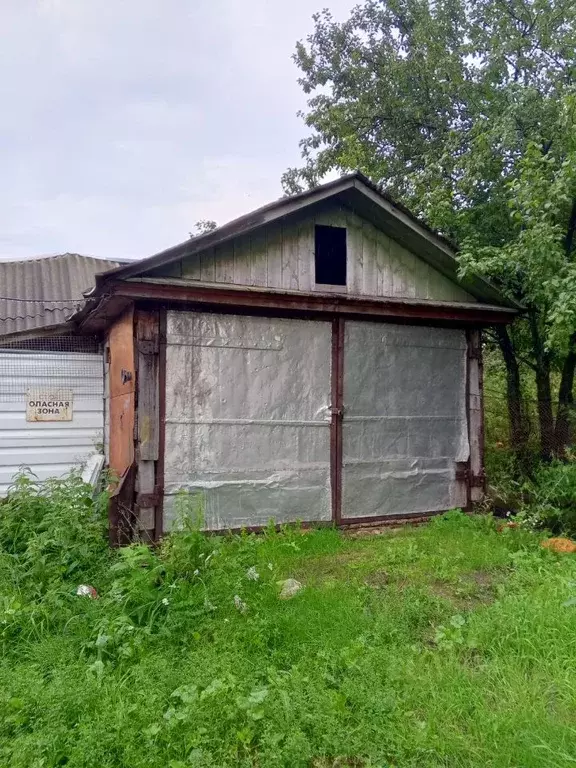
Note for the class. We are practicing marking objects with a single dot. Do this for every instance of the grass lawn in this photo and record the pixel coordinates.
(445, 645)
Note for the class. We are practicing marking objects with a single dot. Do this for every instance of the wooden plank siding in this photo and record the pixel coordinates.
(121, 391)
(476, 415)
(148, 422)
(281, 256)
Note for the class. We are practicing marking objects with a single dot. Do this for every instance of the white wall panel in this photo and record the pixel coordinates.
(49, 448)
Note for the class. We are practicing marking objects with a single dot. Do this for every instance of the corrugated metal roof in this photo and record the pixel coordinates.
(37, 293)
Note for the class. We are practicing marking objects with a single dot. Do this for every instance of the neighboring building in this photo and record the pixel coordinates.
(318, 359)
(45, 365)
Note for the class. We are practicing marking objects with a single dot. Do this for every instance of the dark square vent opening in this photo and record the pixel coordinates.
(330, 255)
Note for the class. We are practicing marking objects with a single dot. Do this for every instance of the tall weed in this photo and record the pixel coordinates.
(551, 498)
(445, 645)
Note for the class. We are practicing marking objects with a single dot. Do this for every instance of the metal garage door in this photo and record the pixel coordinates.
(248, 417)
(404, 425)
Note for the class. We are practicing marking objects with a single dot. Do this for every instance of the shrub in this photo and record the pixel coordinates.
(55, 530)
(551, 498)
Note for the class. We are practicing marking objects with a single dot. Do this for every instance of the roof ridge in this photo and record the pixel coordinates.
(53, 257)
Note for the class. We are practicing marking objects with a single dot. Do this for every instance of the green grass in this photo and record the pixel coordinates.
(444, 645)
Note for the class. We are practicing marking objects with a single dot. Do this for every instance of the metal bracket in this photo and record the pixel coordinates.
(478, 481)
(149, 499)
(147, 347)
(461, 475)
(475, 481)
(474, 353)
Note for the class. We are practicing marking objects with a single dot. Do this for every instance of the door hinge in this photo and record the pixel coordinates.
(475, 481)
(461, 475)
(478, 481)
(147, 347)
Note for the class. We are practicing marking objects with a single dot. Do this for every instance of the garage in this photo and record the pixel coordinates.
(317, 360)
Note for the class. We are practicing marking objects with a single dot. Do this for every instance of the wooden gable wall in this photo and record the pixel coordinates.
(281, 256)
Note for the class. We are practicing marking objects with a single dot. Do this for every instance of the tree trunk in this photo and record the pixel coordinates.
(544, 391)
(513, 395)
(563, 428)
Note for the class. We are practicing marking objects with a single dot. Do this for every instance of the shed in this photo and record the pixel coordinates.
(45, 363)
(318, 359)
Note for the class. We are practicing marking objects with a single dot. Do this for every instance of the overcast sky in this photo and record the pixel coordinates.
(123, 122)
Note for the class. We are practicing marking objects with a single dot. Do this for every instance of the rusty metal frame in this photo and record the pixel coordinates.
(474, 352)
(337, 375)
(337, 405)
(121, 515)
(483, 415)
(159, 511)
(381, 521)
(468, 463)
(392, 519)
(478, 354)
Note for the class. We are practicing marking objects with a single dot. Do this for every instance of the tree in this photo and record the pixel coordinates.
(203, 226)
(464, 111)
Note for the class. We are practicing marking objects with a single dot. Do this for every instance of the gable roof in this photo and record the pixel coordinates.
(38, 293)
(356, 192)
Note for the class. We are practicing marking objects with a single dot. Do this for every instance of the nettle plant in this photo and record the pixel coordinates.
(55, 530)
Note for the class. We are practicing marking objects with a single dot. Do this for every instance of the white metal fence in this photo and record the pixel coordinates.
(52, 447)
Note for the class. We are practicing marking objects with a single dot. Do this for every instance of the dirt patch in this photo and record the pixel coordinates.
(342, 565)
(482, 578)
(362, 533)
(468, 592)
(371, 529)
(382, 579)
(378, 579)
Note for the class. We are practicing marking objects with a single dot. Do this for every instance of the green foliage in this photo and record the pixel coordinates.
(437, 101)
(465, 111)
(551, 498)
(500, 452)
(533, 264)
(54, 530)
(444, 645)
(203, 226)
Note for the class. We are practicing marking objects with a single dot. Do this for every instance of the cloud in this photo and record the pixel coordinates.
(123, 123)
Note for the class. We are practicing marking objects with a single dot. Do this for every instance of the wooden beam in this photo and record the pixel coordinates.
(475, 416)
(147, 348)
(391, 310)
(148, 420)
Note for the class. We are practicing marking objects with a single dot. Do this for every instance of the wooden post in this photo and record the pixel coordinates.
(476, 416)
(336, 424)
(147, 422)
(119, 404)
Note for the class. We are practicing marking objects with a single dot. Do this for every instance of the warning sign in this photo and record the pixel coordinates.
(49, 405)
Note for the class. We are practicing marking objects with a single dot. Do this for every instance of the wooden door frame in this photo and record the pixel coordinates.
(336, 408)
